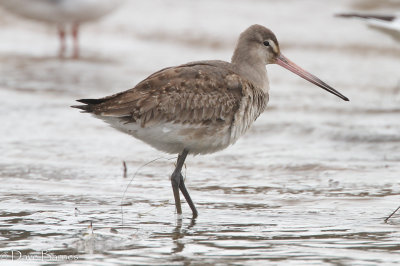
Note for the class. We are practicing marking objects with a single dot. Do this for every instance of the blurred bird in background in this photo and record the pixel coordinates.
(386, 23)
(65, 14)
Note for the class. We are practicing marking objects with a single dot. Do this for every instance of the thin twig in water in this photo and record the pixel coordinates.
(125, 170)
(126, 189)
(76, 212)
(392, 214)
(146, 212)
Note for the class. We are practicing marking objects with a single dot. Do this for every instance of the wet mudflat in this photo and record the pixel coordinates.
(309, 184)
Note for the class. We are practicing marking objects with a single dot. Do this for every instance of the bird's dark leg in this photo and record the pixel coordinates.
(75, 31)
(175, 180)
(187, 196)
(178, 183)
(61, 35)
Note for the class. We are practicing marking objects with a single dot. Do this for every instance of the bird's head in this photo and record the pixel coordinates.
(259, 45)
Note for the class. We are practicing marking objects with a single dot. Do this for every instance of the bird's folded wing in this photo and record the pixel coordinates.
(192, 93)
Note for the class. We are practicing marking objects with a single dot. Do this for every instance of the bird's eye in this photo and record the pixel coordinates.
(266, 43)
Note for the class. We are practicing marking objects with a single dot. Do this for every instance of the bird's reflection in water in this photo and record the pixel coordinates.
(178, 233)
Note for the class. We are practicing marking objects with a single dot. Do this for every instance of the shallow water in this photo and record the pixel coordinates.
(309, 184)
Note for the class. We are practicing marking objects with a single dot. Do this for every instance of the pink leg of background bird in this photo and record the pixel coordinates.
(61, 34)
(75, 31)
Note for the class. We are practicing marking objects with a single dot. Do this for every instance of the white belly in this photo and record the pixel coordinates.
(174, 138)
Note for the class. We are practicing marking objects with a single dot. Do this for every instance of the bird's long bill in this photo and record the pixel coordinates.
(286, 63)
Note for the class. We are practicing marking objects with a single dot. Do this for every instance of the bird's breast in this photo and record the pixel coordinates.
(253, 103)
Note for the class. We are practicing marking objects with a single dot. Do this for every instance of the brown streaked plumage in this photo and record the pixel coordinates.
(199, 107)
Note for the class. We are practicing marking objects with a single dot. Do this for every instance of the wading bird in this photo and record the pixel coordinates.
(388, 24)
(200, 107)
(63, 13)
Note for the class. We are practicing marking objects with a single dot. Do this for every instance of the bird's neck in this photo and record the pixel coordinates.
(253, 70)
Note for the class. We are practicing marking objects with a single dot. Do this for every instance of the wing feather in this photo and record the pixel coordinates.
(195, 93)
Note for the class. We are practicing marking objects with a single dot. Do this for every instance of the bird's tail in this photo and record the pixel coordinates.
(88, 104)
